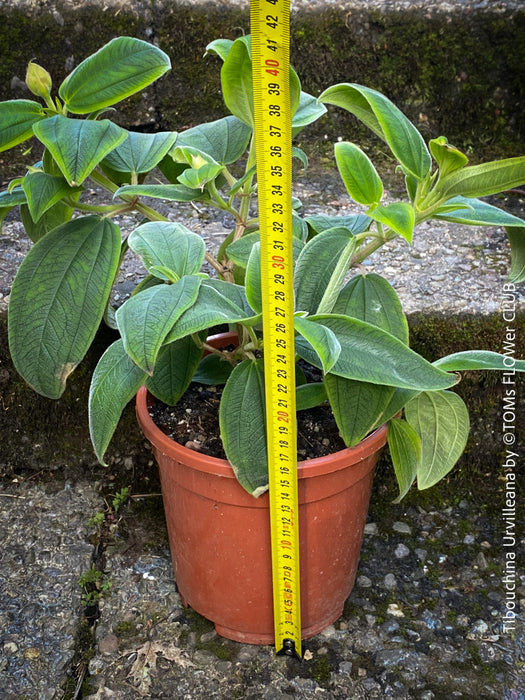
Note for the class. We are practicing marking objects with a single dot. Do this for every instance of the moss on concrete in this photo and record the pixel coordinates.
(461, 74)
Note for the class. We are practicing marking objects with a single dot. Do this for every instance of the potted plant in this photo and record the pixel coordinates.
(351, 332)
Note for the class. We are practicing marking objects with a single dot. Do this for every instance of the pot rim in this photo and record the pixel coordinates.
(222, 467)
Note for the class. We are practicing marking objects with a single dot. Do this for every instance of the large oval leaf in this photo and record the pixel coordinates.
(358, 173)
(372, 299)
(174, 370)
(308, 111)
(243, 426)
(441, 420)
(58, 299)
(372, 355)
(478, 359)
(321, 339)
(115, 382)
(173, 193)
(140, 153)
(210, 309)
(236, 79)
(357, 406)
(516, 237)
(119, 69)
(55, 216)
(378, 113)
(482, 180)
(167, 247)
(225, 140)
(145, 319)
(78, 145)
(16, 121)
(43, 191)
(315, 267)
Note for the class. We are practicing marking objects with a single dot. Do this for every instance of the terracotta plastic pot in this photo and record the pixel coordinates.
(220, 535)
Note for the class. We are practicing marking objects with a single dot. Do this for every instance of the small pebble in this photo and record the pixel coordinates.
(390, 582)
(402, 528)
(401, 551)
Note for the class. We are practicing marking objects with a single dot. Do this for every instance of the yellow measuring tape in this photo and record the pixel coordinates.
(270, 32)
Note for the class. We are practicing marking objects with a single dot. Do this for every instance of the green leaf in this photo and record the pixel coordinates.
(399, 216)
(357, 406)
(322, 339)
(212, 370)
(474, 212)
(235, 293)
(17, 118)
(372, 299)
(224, 140)
(442, 423)
(482, 180)
(78, 145)
(253, 278)
(163, 244)
(308, 111)
(360, 406)
(43, 191)
(373, 355)
(174, 369)
(202, 170)
(358, 173)
(405, 450)
(355, 223)
(173, 193)
(58, 300)
(315, 267)
(140, 153)
(516, 238)
(446, 156)
(478, 359)
(300, 155)
(13, 198)
(115, 382)
(310, 395)
(220, 47)
(243, 426)
(119, 69)
(55, 216)
(380, 115)
(145, 319)
(236, 79)
(210, 309)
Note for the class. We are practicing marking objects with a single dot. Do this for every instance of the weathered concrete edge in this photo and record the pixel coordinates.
(38, 433)
(458, 73)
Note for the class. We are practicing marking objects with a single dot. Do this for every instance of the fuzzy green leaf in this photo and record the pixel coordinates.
(17, 118)
(483, 180)
(140, 153)
(315, 267)
(478, 359)
(370, 354)
(119, 69)
(115, 382)
(212, 370)
(78, 145)
(399, 216)
(43, 191)
(224, 140)
(243, 426)
(145, 319)
(517, 247)
(372, 299)
(321, 339)
(441, 420)
(387, 121)
(358, 173)
(163, 244)
(58, 300)
(174, 370)
(405, 450)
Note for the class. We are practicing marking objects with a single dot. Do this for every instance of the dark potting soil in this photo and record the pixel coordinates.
(194, 423)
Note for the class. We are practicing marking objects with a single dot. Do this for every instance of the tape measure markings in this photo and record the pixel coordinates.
(271, 65)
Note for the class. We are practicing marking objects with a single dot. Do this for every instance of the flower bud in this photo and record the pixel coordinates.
(38, 80)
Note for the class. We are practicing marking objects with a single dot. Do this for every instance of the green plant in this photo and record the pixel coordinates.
(94, 586)
(355, 332)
